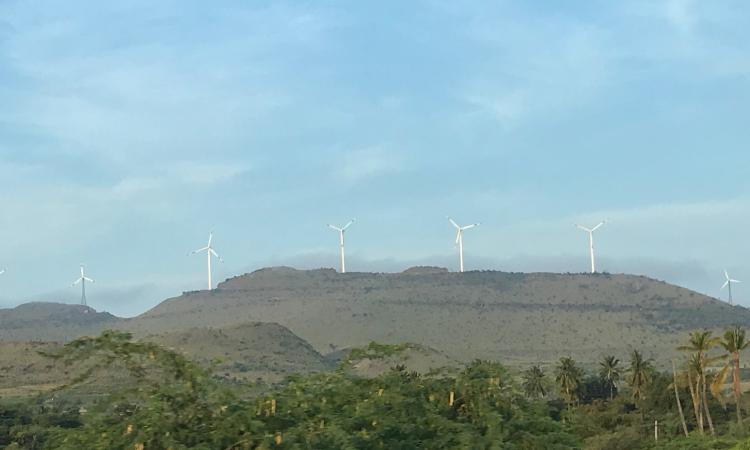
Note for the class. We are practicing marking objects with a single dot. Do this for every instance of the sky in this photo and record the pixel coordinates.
(129, 130)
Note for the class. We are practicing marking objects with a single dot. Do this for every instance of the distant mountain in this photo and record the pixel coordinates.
(52, 322)
(513, 317)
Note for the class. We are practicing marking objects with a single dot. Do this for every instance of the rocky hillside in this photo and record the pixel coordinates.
(507, 316)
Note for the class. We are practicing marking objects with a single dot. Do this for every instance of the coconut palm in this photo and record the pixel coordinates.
(733, 342)
(676, 386)
(700, 343)
(568, 376)
(609, 372)
(692, 373)
(533, 382)
(639, 374)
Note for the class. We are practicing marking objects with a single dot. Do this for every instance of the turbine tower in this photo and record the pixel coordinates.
(341, 231)
(82, 281)
(590, 231)
(460, 240)
(209, 252)
(728, 284)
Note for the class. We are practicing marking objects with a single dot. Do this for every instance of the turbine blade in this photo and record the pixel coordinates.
(88, 279)
(77, 281)
(453, 222)
(458, 236)
(334, 228)
(469, 227)
(735, 281)
(724, 285)
(210, 238)
(726, 274)
(348, 225)
(584, 228)
(200, 250)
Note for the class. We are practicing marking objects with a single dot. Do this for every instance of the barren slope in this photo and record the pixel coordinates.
(505, 316)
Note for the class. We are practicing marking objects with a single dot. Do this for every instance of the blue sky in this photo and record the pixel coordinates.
(127, 132)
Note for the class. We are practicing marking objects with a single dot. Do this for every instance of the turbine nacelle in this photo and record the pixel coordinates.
(209, 253)
(591, 230)
(729, 280)
(460, 240)
(82, 281)
(341, 231)
(344, 228)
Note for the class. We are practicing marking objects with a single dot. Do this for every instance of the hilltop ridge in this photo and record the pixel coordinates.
(481, 314)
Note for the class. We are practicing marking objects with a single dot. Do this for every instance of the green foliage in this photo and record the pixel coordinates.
(610, 372)
(172, 403)
(375, 350)
(534, 383)
(568, 377)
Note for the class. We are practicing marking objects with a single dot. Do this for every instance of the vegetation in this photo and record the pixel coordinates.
(171, 402)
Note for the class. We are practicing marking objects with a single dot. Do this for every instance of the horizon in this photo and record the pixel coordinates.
(129, 132)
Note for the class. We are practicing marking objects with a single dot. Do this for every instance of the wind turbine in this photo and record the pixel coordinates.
(728, 284)
(341, 231)
(82, 281)
(590, 231)
(209, 252)
(460, 240)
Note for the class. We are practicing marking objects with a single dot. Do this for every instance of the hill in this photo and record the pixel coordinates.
(251, 353)
(248, 352)
(40, 321)
(512, 317)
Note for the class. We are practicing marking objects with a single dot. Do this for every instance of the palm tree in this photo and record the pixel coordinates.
(677, 398)
(734, 342)
(533, 382)
(610, 373)
(640, 374)
(568, 376)
(700, 343)
(692, 373)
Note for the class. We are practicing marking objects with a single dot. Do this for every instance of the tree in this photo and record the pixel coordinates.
(610, 373)
(700, 343)
(734, 342)
(533, 383)
(639, 374)
(677, 399)
(568, 376)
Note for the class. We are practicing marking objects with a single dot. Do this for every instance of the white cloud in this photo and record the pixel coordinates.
(540, 68)
(680, 14)
(363, 164)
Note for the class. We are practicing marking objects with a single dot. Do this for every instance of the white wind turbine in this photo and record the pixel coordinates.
(341, 231)
(209, 252)
(728, 284)
(590, 231)
(460, 240)
(82, 281)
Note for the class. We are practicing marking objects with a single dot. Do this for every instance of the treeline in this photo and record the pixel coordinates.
(171, 403)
